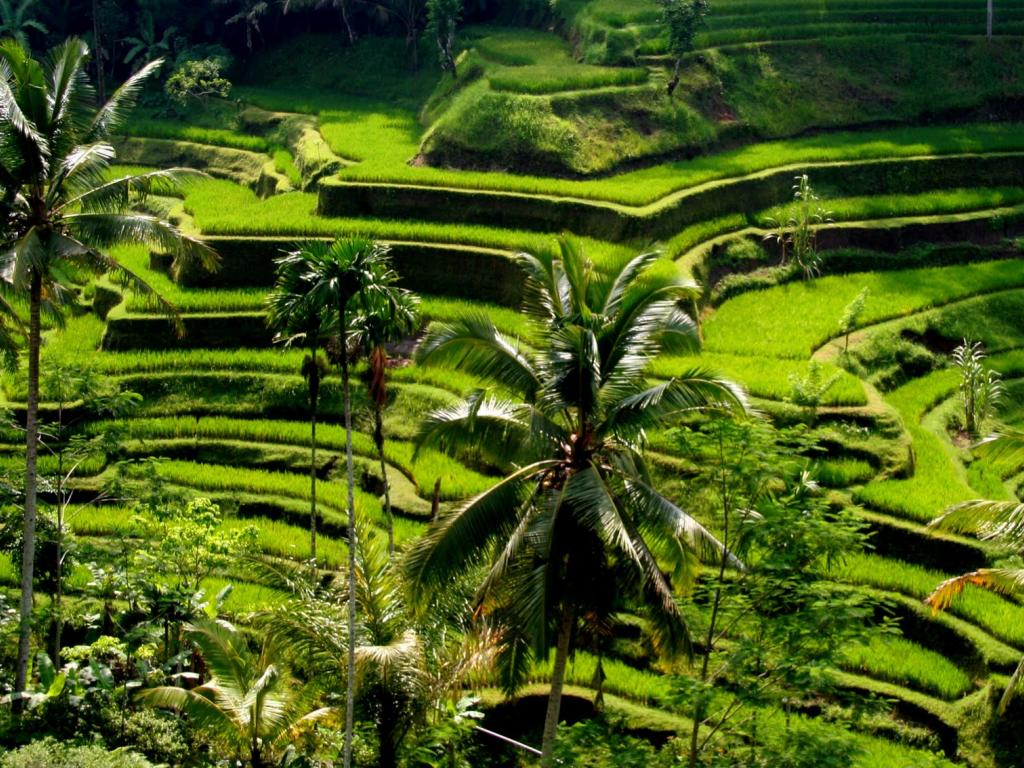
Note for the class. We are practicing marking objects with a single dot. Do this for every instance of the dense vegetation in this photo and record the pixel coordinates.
(593, 382)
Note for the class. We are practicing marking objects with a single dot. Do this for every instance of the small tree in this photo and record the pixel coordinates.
(775, 628)
(197, 80)
(980, 388)
(799, 235)
(851, 317)
(809, 390)
(442, 19)
(64, 386)
(682, 19)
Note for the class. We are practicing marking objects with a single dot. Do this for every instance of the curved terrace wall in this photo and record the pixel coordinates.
(609, 221)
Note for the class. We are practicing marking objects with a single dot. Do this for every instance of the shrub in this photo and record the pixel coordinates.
(197, 80)
(49, 753)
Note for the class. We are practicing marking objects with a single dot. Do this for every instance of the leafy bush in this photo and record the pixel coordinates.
(49, 753)
(197, 80)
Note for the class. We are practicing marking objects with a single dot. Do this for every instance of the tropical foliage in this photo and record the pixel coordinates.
(576, 524)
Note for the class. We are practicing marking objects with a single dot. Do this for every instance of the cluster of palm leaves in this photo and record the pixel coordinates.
(576, 527)
(343, 291)
(61, 206)
(998, 521)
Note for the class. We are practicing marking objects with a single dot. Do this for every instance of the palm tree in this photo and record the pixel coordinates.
(348, 276)
(147, 45)
(1001, 521)
(392, 315)
(249, 14)
(401, 678)
(15, 21)
(58, 210)
(248, 702)
(296, 320)
(577, 505)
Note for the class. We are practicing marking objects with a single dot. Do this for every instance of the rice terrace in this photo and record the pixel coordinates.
(480, 383)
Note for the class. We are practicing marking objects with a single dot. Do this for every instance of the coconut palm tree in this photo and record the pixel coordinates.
(348, 276)
(577, 508)
(248, 703)
(16, 22)
(147, 44)
(391, 316)
(59, 208)
(297, 321)
(1001, 521)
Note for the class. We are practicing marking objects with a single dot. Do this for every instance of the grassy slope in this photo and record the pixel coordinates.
(384, 138)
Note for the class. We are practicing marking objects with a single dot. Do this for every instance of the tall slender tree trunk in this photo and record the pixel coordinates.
(314, 396)
(673, 83)
(28, 552)
(565, 623)
(101, 90)
(350, 683)
(378, 439)
(58, 592)
(989, 20)
(344, 20)
(716, 606)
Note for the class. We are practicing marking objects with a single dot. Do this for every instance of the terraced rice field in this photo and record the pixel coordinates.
(228, 418)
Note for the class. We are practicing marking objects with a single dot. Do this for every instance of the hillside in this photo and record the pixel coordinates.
(909, 125)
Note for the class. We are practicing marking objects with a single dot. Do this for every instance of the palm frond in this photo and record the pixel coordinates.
(1011, 688)
(656, 513)
(999, 520)
(201, 711)
(113, 114)
(497, 429)
(594, 506)
(1007, 446)
(693, 390)
(13, 55)
(462, 536)
(475, 346)
(115, 195)
(625, 279)
(225, 652)
(104, 228)
(1007, 581)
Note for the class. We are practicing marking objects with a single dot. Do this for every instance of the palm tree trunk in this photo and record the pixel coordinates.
(346, 22)
(989, 20)
(101, 89)
(557, 683)
(314, 387)
(350, 682)
(378, 438)
(31, 452)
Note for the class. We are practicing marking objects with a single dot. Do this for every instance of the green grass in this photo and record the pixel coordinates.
(425, 467)
(274, 537)
(793, 320)
(284, 163)
(842, 473)
(180, 131)
(388, 142)
(884, 206)
(900, 661)
(763, 376)
(1000, 617)
(621, 679)
(939, 478)
(216, 479)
